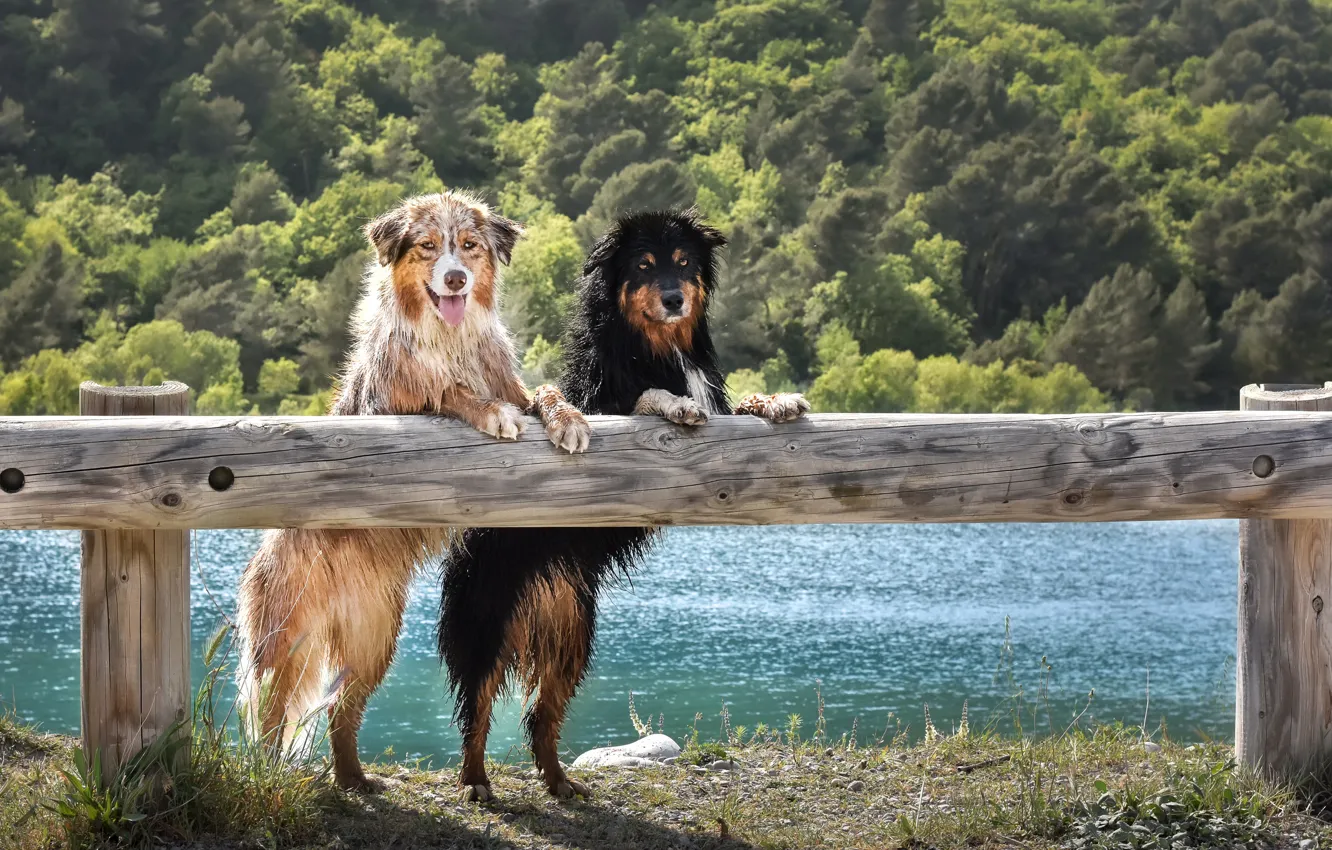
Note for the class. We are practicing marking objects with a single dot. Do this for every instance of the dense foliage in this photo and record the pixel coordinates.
(934, 204)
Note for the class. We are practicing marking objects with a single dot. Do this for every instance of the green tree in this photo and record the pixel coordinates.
(41, 308)
(1287, 339)
(1112, 336)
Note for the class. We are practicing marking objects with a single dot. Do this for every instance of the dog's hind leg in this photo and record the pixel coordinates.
(364, 641)
(481, 636)
(564, 615)
(284, 641)
(286, 679)
(475, 704)
(357, 682)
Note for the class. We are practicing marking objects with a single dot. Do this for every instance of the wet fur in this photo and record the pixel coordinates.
(522, 602)
(319, 602)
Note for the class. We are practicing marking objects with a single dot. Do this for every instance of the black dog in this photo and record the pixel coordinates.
(524, 600)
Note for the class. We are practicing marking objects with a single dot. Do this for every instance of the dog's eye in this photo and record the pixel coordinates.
(429, 246)
(684, 261)
(469, 245)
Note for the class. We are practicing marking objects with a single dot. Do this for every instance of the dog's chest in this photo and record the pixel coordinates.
(700, 389)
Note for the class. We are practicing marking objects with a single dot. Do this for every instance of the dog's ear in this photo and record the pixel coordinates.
(712, 237)
(503, 234)
(388, 235)
(603, 251)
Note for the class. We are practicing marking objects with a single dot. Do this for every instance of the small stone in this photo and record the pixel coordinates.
(856, 787)
(671, 760)
(508, 817)
(721, 764)
(828, 751)
(839, 782)
(1308, 844)
(696, 770)
(1151, 746)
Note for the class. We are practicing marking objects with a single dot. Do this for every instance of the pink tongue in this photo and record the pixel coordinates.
(451, 309)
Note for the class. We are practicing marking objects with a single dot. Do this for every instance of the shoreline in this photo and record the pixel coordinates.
(782, 791)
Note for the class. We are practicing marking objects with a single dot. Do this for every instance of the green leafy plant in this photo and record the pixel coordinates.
(1202, 809)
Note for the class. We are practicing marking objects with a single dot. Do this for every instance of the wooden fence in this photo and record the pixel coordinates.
(136, 484)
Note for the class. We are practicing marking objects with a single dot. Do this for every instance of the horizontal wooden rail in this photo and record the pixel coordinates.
(262, 472)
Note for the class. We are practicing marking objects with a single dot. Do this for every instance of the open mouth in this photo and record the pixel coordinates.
(450, 307)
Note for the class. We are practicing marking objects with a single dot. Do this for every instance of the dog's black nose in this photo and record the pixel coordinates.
(455, 279)
(672, 300)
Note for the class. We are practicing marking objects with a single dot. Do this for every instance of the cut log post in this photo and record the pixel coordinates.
(136, 610)
(1283, 667)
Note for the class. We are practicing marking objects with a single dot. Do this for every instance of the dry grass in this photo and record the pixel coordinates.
(953, 791)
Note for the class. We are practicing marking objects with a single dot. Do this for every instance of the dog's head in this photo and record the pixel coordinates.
(660, 268)
(444, 251)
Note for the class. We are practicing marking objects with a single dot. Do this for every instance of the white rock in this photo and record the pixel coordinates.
(1151, 746)
(651, 750)
(621, 760)
(721, 764)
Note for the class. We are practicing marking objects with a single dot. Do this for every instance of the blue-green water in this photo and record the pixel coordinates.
(887, 618)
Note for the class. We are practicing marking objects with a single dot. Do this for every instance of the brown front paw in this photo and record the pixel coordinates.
(504, 421)
(566, 788)
(568, 429)
(782, 407)
(475, 794)
(787, 407)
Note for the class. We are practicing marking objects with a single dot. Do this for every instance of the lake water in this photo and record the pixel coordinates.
(887, 618)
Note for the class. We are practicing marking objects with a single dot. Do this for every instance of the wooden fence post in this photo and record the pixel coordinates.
(135, 610)
(1283, 663)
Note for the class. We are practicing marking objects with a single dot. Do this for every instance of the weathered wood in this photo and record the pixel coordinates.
(136, 608)
(1283, 668)
(407, 471)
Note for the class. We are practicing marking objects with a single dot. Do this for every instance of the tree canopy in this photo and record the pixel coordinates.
(961, 205)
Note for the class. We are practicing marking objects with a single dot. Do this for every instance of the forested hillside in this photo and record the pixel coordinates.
(965, 205)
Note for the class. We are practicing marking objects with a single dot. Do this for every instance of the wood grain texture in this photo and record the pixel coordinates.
(1283, 670)
(413, 471)
(135, 609)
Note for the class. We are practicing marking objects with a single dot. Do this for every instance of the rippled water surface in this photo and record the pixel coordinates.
(887, 618)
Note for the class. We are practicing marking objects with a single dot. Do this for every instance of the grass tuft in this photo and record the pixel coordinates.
(1085, 787)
